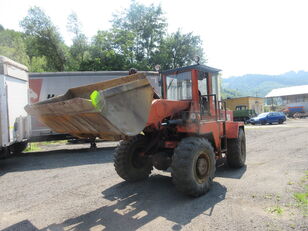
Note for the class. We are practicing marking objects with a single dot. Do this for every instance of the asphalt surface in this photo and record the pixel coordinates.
(69, 187)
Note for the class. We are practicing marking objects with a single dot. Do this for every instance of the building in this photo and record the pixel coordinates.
(295, 99)
(246, 103)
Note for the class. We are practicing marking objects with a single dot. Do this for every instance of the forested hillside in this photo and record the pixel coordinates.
(260, 85)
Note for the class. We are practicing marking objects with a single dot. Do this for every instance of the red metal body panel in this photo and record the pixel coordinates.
(213, 127)
(163, 108)
(204, 127)
(195, 95)
(232, 129)
(35, 86)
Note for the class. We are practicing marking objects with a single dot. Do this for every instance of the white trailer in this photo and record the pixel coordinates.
(14, 87)
(46, 85)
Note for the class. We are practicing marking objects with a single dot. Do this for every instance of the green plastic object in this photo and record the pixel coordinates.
(96, 99)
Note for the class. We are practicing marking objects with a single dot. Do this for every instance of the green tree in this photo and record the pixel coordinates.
(38, 64)
(79, 51)
(13, 46)
(104, 54)
(44, 39)
(144, 28)
(179, 50)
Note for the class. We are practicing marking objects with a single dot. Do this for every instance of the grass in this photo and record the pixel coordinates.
(33, 147)
(302, 196)
(53, 142)
(36, 146)
(276, 209)
(290, 183)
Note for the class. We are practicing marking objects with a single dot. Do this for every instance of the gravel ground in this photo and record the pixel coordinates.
(69, 187)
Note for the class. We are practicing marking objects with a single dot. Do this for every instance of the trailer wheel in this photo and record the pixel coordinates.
(129, 162)
(193, 166)
(4, 152)
(19, 147)
(236, 150)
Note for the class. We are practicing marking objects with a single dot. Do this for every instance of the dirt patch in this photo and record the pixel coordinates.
(75, 188)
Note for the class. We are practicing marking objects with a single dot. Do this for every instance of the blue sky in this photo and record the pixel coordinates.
(239, 36)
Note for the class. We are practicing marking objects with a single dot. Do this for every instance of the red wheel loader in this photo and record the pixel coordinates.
(185, 130)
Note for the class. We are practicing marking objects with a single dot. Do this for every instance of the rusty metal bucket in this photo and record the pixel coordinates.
(122, 109)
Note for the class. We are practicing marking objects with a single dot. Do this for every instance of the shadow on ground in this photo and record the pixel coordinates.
(225, 171)
(134, 205)
(55, 159)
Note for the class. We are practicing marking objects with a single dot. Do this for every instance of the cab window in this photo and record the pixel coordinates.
(179, 86)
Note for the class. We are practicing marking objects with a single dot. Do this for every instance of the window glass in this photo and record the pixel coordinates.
(179, 86)
(202, 86)
(202, 83)
(214, 84)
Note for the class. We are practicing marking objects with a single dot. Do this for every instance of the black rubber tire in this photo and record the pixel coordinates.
(19, 147)
(126, 155)
(4, 152)
(236, 150)
(280, 121)
(263, 123)
(184, 166)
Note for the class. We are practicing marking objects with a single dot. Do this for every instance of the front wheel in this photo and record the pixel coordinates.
(280, 121)
(236, 150)
(193, 166)
(129, 160)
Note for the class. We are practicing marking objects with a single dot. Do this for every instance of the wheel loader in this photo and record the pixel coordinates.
(183, 129)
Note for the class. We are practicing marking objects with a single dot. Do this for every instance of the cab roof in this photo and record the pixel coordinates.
(198, 67)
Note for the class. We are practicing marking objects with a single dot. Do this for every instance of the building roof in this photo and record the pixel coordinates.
(235, 98)
(196, 66)
(86, 73)
(296, 90)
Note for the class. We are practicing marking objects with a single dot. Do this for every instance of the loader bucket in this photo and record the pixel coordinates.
(110, 110)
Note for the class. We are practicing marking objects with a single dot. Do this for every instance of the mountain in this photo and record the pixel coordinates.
(260, 85)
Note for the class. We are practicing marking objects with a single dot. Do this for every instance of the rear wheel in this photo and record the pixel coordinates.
(129, 161)
(263, 122)
(193, 166)
(236, 150)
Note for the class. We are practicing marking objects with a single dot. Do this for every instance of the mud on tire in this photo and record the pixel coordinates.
(193, 166)
(129, 162)
(236, 152)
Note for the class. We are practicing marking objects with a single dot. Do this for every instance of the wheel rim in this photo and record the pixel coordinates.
(202, 168)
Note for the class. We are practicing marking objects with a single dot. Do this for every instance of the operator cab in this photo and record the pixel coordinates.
(196, 83)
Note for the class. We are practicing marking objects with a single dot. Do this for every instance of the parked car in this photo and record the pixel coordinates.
(269, 118)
